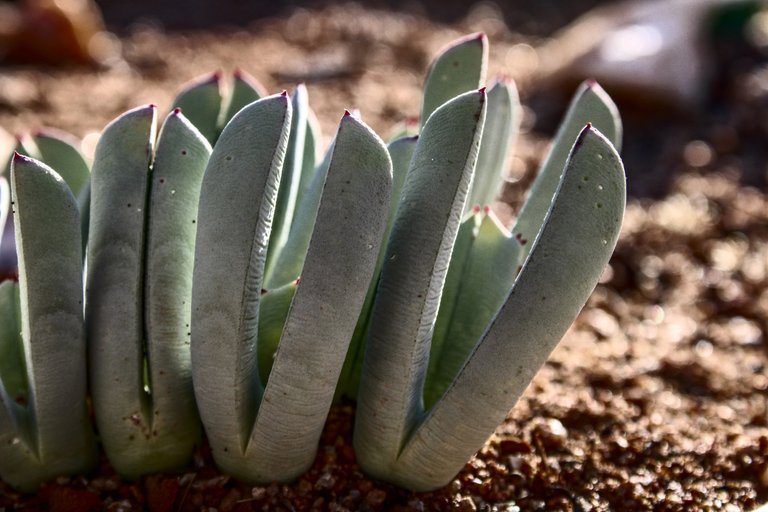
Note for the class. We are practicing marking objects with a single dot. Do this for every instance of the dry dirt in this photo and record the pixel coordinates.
(655, 399)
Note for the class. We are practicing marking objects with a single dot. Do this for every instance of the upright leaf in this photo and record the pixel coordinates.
(62, 152)
(237, 202)
(563, 267)
(290, 181)
(200, 100)
(590, 104)
(499, 133)
(336, 274)
(245, 90)
(459, 68)
(48, 434)
(480, 284)
(415, 266)
(115, 289)
(401, 152)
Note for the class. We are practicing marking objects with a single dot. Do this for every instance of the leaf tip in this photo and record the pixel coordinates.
(284, 94)
(582, 135)
(177, 110)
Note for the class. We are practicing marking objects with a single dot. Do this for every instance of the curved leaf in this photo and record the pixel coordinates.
(177, 172)
(200, 100)
(273, 310)
(415, 266)
(335, 278)
(459, 68)
(590, 104)
(564, 265)
(50, 434)
(290, 181)
(401, 152)
(61, 152)
(499, 134)
(115, 294)
(245, 90)
(479, 284)
(237, 203)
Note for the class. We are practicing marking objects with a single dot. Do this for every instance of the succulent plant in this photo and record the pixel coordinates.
(144, 195)
(234, 277)
(447, 339)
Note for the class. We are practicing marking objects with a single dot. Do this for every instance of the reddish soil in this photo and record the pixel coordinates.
(655, 399)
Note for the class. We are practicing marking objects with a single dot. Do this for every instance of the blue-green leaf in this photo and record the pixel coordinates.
(201, 100)
(592, 105)
(245, 90)
(334, 281)
(290, 182)
(478, 283)
(564, 265)
(415, 266)
(459, 68)
(499, 134)
(48, 435)
(234, 218)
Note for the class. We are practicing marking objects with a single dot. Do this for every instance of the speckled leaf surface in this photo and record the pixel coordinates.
(50, 434)
(415, 266)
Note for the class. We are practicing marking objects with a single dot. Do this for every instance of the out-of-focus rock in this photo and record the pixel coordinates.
(55, 32)
(653, 52)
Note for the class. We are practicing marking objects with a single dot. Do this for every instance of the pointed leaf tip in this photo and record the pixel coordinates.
(476, 209)
(347, 113)
(482, 90)
(581, 137)
(18, 157)
(590, 82)
(177, 110)
(284, 93)
(486, 210)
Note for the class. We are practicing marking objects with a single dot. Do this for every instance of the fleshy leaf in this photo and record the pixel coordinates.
(50, 434)
(273, 310)
(592, 105)
(479, 285)
(61, 152)
(290, 181)
(234, 217)
(563, 267)
(336, 274)
(415, 266)
(115, 305)
(201, 100)
(245, 90)
(401, 152)
(499, 134)
(459, 68)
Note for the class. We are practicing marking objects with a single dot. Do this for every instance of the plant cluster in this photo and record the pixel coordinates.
(236, 282)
